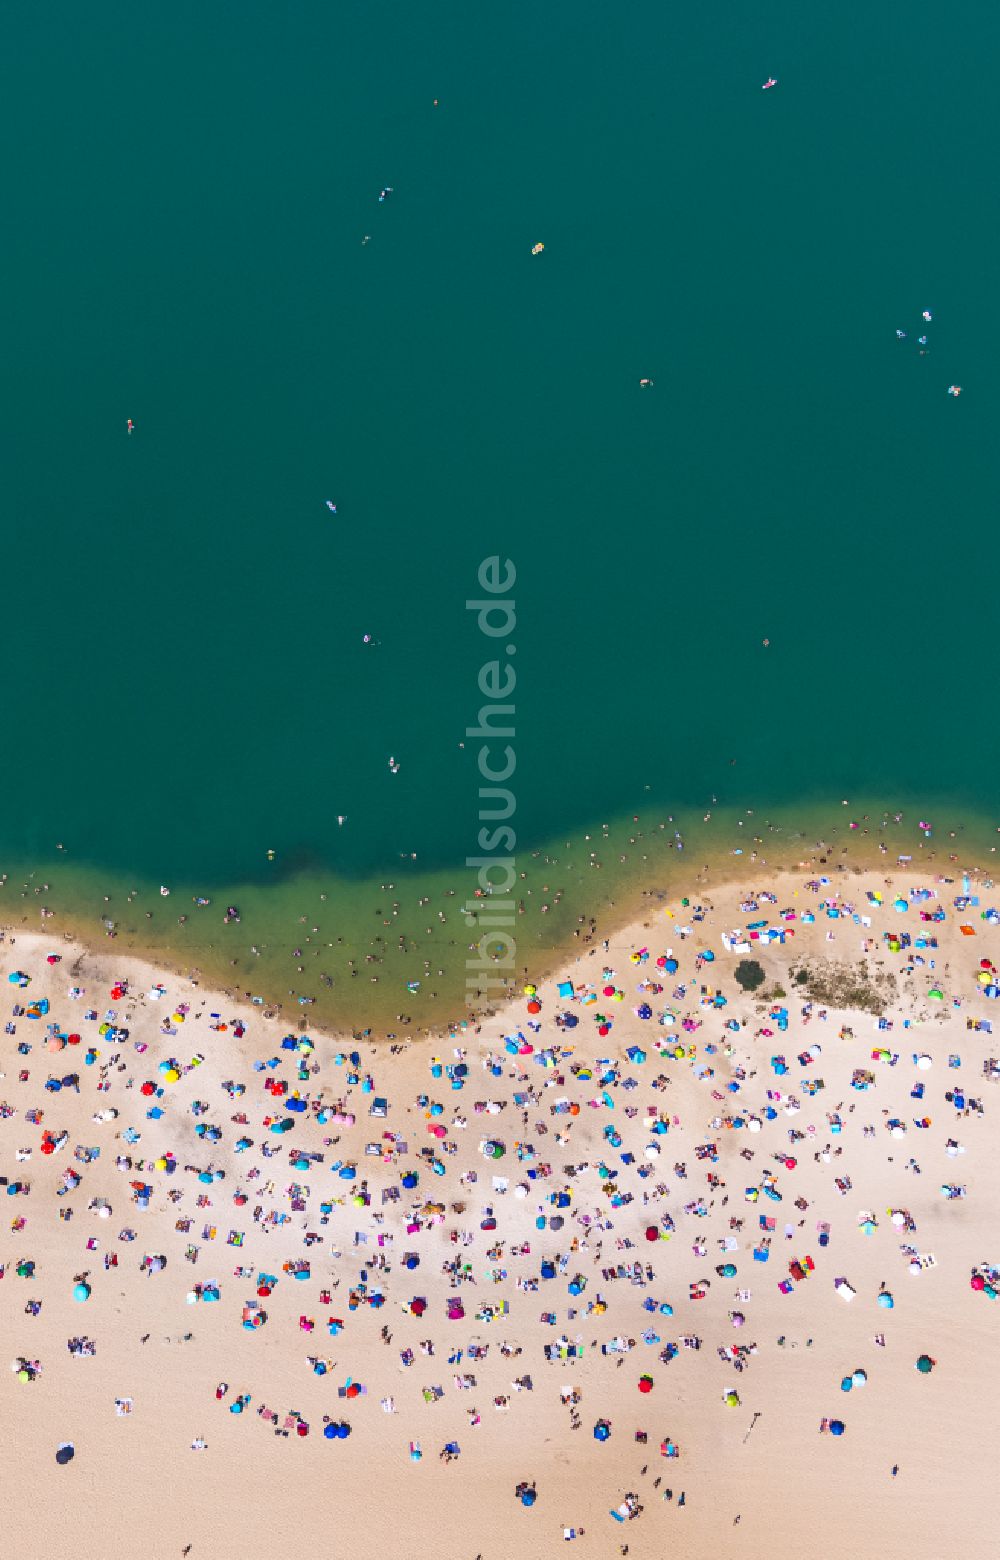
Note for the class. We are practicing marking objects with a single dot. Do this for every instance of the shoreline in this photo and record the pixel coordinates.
(369, 989)
(638, 898)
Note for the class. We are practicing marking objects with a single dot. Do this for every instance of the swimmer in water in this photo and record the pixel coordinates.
(131, 425)
(330, 505)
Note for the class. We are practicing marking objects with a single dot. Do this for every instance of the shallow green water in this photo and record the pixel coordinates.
(186, 197)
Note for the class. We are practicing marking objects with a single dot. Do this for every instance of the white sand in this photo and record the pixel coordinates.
(136, 1486)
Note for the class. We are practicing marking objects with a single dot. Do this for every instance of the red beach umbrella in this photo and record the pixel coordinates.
(645, 1383)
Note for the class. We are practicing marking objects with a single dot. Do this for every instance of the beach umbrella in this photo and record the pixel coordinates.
(978, 1281)
(925, 1364)
(732, 1400)
(527, 1497)
(885, 1300)
(847, 1384)
(645, 1383)
(602, 1430)
(81, 1292)
(330, 1432)
(343, 1430)
(860, 1378)
(837, 1427)
(65, 1452)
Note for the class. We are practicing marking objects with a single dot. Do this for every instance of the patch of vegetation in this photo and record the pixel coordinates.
(749, 974)
(847, 986)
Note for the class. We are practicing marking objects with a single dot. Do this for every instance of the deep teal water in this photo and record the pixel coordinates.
(186, 193)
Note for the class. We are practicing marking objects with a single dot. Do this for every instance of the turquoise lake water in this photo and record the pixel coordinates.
(188, 190)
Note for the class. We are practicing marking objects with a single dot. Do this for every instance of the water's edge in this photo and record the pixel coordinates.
(398, 954)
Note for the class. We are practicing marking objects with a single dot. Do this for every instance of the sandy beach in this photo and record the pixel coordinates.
(623, 1247)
